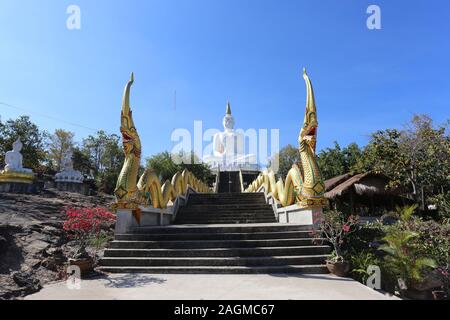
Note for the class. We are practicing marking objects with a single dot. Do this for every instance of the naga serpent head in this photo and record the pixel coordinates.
(308, 132)
(130, 138)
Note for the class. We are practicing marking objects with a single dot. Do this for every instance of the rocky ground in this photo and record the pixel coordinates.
(33, 245)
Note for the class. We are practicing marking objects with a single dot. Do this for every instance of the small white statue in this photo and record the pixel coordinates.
(67, 163)
(14, 159)
(68, 174)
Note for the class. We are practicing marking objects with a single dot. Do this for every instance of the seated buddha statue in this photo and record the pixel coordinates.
(229, 147)
(14, 170)
(14, 159)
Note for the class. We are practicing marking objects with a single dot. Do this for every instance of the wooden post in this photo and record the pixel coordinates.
(352, 201)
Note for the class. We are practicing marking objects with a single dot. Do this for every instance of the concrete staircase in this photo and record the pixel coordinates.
(226, 208)
(227, 233)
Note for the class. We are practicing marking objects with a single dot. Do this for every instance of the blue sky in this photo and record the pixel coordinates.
(247, 51)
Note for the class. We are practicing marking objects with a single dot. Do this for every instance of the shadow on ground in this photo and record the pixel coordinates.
(129, 280)
(310, 276)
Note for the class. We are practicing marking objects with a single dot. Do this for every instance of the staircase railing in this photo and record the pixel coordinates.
(216, 187)
(241, 180)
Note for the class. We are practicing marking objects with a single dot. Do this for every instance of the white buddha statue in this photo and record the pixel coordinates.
(229, 147)
(68, 174)
(14, 159)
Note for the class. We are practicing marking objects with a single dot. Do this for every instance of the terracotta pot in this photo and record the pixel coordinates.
(339, 268)
(86, 265)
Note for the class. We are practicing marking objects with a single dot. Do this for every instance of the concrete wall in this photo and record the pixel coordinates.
(125, 221)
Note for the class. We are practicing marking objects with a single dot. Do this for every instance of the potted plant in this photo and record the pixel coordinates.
(406, 263)
(335, 228)
(85, 226)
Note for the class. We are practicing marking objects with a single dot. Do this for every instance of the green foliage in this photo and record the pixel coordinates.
(58, 145)
(104, 151)
(104, 155)
(287, 156)
(163, 165)
(416, 158)
(403, 258)
(336, 161)
(360, 262)
(364, 237)
(336, 228)
(442, 203)
(166, 166)
(433, 240)
(82, 161)
(405, 213)
(33, 139)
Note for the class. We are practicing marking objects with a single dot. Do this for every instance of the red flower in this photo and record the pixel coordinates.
(346, 228)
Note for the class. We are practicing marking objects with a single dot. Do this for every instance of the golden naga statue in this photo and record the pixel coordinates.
(304, 184)
(148, 191)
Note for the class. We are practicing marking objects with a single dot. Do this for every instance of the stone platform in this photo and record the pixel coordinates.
(19, 187)
(80, 188)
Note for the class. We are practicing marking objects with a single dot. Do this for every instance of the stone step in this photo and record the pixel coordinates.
(223, 228)
(213, 261)
(220, 252)
(220, 221)
(208, 219)
(226, 202)
(225, 213)
(202, 244)
(231, 205)
(214, 236)
(305, 269)
(232, 194)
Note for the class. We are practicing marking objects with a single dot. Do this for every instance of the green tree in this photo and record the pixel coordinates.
(416, 158)
(287, 156)
(165, 166)
(82, 161)
(33, 139)
(105, 159)
(59, 144)
(332, 162)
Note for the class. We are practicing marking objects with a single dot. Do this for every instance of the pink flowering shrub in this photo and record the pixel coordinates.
(86, 225)
(335, 228)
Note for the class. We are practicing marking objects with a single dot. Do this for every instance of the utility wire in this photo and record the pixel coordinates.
(49, 117)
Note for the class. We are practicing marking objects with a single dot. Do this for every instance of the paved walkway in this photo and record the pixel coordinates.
(212, 287)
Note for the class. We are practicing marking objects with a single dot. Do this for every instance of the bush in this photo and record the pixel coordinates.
(411, 249)
(404, 259)
(336, 228)
(442, 203)
(87, 226)
(360, 263)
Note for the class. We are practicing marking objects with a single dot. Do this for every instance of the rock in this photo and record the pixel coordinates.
(33, 244)
(38, 246)
(25, 279)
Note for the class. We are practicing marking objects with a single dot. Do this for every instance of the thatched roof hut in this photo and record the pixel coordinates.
(363, 192)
